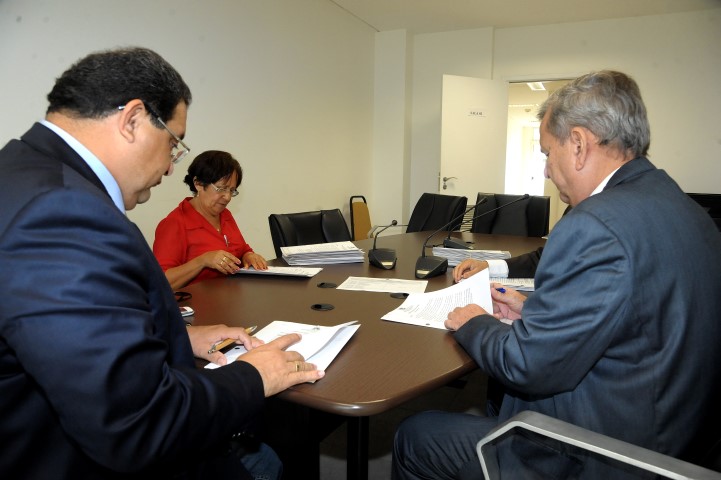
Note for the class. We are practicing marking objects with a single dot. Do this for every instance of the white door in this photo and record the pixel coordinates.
(474, 119)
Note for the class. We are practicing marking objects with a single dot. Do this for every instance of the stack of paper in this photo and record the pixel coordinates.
(457, 255)
(520, 284)
(322, 253)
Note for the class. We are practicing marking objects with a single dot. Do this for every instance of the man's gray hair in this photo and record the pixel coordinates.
(607, 103)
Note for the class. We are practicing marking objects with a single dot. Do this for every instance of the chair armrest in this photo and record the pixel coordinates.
(586, 440)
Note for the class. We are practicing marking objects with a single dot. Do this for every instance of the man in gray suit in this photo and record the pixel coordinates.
(621, 335)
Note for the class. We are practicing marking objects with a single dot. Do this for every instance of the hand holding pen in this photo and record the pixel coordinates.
(507, 302)
(204, 338)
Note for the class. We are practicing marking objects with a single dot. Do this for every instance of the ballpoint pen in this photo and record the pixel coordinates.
(228, 341)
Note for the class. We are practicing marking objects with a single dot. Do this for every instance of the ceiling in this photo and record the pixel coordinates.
(428, 16)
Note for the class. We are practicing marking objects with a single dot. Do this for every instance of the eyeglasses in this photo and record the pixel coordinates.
(224, 190)
(177, 153)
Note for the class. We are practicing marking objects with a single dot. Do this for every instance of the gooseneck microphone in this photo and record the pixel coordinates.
(384, 258)
(452, 243)
(430, 266)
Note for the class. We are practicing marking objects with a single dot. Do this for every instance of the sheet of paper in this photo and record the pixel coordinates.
(390, 285)
(318, 344)
(282, 271)
(431, 309)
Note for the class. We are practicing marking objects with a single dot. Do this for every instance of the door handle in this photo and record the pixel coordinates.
(445, 179)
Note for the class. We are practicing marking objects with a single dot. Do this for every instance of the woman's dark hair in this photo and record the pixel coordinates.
(211, 166)
(95, 86)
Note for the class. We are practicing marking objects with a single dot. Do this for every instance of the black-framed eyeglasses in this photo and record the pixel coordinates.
(177, 153)
(224, 190)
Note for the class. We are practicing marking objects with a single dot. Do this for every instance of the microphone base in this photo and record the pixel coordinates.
(384, 258)
(428, 267)
(453, 243)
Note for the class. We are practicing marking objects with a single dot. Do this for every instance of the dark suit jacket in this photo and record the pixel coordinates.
(97, 376)
(525, 265)
(622, 333)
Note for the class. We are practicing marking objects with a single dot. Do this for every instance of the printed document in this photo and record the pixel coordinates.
(282, 271)
(318, 345)
(389, 285)
(431, 309)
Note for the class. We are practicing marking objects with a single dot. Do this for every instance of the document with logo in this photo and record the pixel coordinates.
(318, 345)
(431, 309)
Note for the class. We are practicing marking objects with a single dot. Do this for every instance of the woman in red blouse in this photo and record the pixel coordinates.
(200, 239)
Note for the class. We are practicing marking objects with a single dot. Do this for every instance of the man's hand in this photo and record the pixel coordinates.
(280, 369)
(460, 315)
(507, 302)
(468, 268)
(202, 338)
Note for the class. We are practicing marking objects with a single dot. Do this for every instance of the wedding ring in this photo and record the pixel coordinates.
(297, 366)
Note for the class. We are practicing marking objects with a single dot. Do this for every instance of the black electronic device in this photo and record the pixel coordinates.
(431, 266)
(384, 258)
(453, 243)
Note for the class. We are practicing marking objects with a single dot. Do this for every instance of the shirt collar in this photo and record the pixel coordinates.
(603, 183)
(93, 162)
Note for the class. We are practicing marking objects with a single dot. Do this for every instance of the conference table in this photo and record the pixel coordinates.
(382, 366)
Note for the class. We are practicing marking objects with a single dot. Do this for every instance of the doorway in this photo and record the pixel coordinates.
(524, 161)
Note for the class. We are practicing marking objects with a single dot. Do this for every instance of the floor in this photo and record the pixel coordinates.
(467, 395)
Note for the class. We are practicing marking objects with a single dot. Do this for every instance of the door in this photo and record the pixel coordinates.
(474, 118)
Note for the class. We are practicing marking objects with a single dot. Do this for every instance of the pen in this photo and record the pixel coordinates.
(225, 237)
(501, 289)
(228, 341)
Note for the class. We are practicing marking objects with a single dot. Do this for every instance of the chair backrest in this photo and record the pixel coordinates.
(434, 210)
(711, 202)
(306, 228)
(528, 218)
(565, 439)
(360, 219)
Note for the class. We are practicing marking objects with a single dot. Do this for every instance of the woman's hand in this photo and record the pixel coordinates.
(252, 259)
(222, 261)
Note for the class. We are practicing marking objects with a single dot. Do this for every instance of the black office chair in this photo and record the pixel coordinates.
(307, 228)
(565, 439)
(527, 218)
(434, 210)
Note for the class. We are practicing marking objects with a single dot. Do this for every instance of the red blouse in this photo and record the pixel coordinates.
(184, 234)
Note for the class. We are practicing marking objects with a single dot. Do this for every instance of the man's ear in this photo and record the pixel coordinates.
(579, 146)
(129, 119)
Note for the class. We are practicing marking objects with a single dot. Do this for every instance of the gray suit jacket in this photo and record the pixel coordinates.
(622, 333)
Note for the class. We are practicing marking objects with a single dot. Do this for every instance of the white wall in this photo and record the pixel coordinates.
(317, 106)
(285, 86)
(674, 58)
(463, 52)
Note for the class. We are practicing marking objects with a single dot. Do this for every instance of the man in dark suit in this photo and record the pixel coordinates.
(97, 373)
(621, 334)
